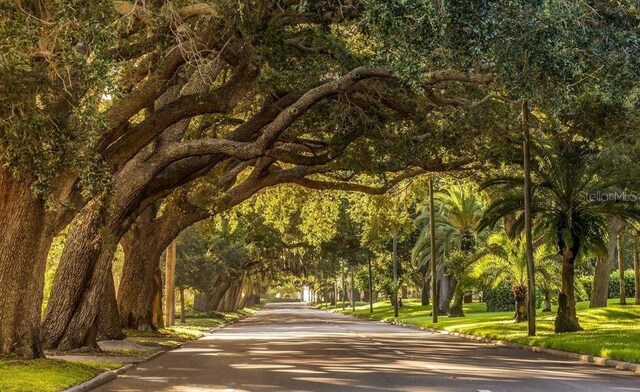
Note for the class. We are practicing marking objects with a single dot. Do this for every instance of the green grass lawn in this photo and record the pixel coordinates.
(47, 374)
(612, 332)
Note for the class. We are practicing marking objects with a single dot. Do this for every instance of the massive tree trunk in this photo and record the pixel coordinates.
(84, 272)
(230, 299)
(71, 317)
(109, 318)
(24, 243)
(600, 289)
(138, 291)
(566, 318)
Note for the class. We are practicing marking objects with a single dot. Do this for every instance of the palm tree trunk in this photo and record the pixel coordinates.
(567, 319)
(458, 299)
(520, 295)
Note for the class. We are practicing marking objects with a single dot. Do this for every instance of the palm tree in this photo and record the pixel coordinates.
(572, 192)
(504, 261)
(457, 223)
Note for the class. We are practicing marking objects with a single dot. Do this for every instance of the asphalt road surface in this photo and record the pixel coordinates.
(292, 347)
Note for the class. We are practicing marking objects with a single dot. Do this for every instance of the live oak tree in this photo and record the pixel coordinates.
(174, 157)
(107, 109)
(144, 148)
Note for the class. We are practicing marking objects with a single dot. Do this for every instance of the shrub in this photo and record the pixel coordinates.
(614, 284)
(584, 285)
(500, 299)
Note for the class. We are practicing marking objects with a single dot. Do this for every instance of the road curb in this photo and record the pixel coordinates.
(111, 375)
(586, 358)
(102, 378)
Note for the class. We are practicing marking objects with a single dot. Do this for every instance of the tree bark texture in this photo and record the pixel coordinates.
(25, 239)
(566, 318)
(230, 299)
(183, 316)
(138, 291)
(83, 272)
(520, 296)
(458, 300)
(109, 319)
(604, 267)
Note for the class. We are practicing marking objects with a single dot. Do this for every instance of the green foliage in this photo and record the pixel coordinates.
(569, 176)
(53, 75)
(584, 286)
(456, 219)
(547, 51)
(500, 299)
(629, 284)
(503, 261)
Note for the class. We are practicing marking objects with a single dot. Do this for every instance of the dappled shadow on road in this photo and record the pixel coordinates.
(287, 348)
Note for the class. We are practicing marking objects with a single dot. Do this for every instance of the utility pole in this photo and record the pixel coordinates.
(353, 298)
(395, 275)
(370, 288)
(623, 287)
(170, 285)
(531, 279)
(344, 287)
(636, 268)
(432, 233)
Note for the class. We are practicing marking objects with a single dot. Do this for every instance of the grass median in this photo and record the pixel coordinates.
(47, 374)
(611, 332)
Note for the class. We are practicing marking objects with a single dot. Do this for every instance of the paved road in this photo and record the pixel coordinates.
(293, 347)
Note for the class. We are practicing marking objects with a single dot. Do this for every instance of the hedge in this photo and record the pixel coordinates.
(501, 299)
